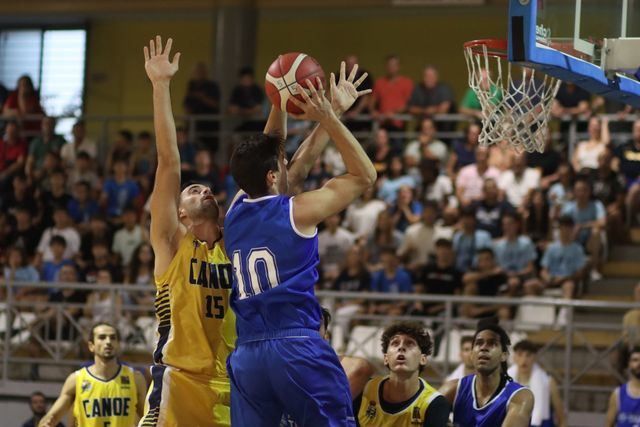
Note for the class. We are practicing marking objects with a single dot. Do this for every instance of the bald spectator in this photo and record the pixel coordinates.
(391, 94)
(471, 177)
(518, 182)
(431, 96)
(427, 146)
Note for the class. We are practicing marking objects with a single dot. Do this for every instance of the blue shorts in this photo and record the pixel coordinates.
(294, 372)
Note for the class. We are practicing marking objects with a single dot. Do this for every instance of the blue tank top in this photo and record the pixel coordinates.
(274, 267)
(628, 408)
(466, 412)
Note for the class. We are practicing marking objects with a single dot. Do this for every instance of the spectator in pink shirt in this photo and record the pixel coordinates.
(471, 177)
(391, 94)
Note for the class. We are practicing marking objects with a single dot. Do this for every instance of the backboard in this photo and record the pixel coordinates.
(592, 43)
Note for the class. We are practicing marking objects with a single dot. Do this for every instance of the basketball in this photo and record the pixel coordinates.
(285, 76)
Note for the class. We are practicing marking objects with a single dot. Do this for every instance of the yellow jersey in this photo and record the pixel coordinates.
(100, 403)
(371, 414)
(196, 327)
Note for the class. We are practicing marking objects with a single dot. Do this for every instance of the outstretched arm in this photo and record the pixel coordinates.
(166, 229)
(62, 405)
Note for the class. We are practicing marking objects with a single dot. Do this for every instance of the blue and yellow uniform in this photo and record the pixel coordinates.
(101, 403)
(196, 334)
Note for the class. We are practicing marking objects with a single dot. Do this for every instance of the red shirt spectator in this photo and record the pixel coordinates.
(24, 101)
(13, 151)
(391, 93)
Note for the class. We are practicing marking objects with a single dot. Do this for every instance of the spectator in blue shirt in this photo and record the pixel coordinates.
(119, 191)
(18, 270)
(515, 253)
(406, 210)
(590, 217)
(50, 269)
(397, 177)
(469, 240)
(82, 206)
(390, 279)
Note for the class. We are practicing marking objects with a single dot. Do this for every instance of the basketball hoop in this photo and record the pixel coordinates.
(513, 110)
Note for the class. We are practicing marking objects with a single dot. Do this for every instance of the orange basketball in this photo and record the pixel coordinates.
(286, 77)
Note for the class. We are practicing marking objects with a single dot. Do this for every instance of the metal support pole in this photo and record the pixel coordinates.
(568, 350)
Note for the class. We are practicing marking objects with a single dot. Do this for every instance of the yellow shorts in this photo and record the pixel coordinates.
(176, 398)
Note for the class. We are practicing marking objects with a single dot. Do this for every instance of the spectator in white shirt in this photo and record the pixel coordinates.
(128, 238)
(419, 243)
(333, 244)
(466, 361)
(70, 150)
(518, 182)
(362, 215)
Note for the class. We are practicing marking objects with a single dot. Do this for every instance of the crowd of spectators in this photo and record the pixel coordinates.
(445, 216)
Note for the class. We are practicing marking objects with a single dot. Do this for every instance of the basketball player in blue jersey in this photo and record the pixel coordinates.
(624, 404)
(281, 363)
(489, 398)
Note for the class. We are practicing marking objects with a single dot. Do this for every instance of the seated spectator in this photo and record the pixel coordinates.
(128, 237)
(562, 265)
(390, 96)
(469, 240)
(518, 182)
(206, 172)
(62, 226)
(101, 259)
(55, 196)
(26, 235)
(140, 274)
(18, 270)
(68, 274)
(317, 176)
(464, 152)
(537, 221)
(431, 96)
(439, 277)
(186, 148)
(142, 162)
(21, 195)
(380, 153)
(427, 146)
(470, 104)
(447, 226)
(628, 163)
(51, 164)
(23, 104)
(120, 150)
(393, 279)
(203, 97)
(515, 253)
(361, 215)
(246, 101)
(51, 268)
(487, 280)
(406, 210)
(548, 408)
(82, 206)
(585, 156)
(38, 406)
(419, 244)
(571, 100)
(385, 235)
(80, 143)
(333, 244)
(561, 191)
(396, 178)
(47, 141)
(105, 306)
(590, 218)
(609, 188)
(470, 179)
(13, 154)
(490, 208)
(98, 231)
(83, 170)
(119, 191)
(466, 365)
(435, 186)
(546, 162)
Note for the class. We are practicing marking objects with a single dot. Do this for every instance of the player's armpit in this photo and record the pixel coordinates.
(519, 409)
(62, 404)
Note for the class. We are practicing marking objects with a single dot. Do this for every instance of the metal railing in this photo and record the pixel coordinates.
(20, 328)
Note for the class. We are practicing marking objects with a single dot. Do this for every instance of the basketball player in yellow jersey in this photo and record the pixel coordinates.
(402, 398)
(105, 394)
(193, 280)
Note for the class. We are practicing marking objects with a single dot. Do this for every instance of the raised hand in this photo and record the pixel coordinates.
(156, 61)
(345, 92)
(316, 107)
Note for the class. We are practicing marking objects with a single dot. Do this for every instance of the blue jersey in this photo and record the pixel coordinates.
(628, 408)
(466, 412)
(274, 267)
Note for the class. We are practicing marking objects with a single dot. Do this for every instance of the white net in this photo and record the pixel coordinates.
(514, 110)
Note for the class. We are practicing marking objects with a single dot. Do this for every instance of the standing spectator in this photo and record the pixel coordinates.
(487, 280)
(406, 210)
(393, 279)
(120, 150)
(464, 152)
(83, 170)
(48, 141)
(80, 143)
(396, 177)
(385, 235)
(427, 146)
(431, 96)
(491, 208)
(470, 104)
(38, 406)
(419, 243)
(18, 270)
(585, 156)
(609, 188)
(119, 191)
(590, 217)
(51, 268)
(13, 154)
(435, 186)
(246, 101)
(362, 104)
(548, 409)
(518, 182)
(515, 253)
(470, 179)
(82, 206)
(361, 216)
(203, 97)
(333, 244)
(62, 226)
(127, 238)
(22, 102)
(546, 162)
(628, 162)
(390, 95)
(469, 240)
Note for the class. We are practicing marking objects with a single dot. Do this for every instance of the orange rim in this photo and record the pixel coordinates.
(495, 47)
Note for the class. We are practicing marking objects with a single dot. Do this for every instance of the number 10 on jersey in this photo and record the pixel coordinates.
(260, 270)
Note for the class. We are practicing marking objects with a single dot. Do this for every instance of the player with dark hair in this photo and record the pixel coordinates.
(402, 398)
(281, 363)
(489, 398)
(624, 403)
(106, 393)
